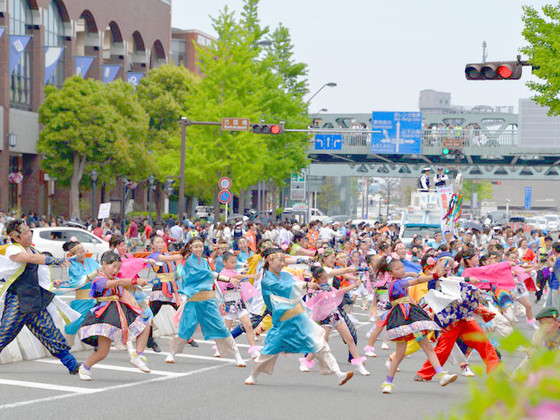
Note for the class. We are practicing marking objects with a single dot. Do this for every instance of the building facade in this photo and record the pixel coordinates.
(116, 39)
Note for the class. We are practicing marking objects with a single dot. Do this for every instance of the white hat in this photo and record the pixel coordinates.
(427, 168)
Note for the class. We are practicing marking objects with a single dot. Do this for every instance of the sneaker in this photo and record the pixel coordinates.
(305, 365)
(344, 377)
(137, 362)
(369, 351)
(384, 346)
(239, 362)
(254, 351)
(216, 351)
(466, 371)
(250, 380)
(153, 345)
(388, 364)
(193, 343)
(445, 378)
(387, 388)
(170, 358)
(362, 370)
(85, 374)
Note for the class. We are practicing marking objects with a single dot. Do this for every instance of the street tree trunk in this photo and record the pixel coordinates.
(79, 165)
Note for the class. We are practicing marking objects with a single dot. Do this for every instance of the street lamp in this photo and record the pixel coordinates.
(181, 200)
(322, 110)
(151, 181)
(93, 175)
(330, 84)
(12, 139)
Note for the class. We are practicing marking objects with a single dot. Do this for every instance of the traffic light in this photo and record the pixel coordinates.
(268, 129)
(495, 70)
(452, 153)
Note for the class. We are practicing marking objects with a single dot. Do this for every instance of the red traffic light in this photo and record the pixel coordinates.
(496, 70)
(268, 128)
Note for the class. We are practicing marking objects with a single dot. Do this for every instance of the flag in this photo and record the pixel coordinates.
(52, 55)
(1, 32)
(134, 78)
(18, 43)
(110, 72)
(82, 64)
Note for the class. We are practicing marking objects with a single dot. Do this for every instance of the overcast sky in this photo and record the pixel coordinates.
(381, 53)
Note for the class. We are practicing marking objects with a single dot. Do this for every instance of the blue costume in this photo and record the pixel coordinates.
(83, 305)
(200, 308)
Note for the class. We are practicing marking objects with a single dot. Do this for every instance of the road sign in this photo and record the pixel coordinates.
(398, 133)
(297, 186)
(298, 177)
(235, 124)
(528, 196)
(299, 207)
(224, 183)
(297, 194)
(452, 143)
(328, 141)
(224, 196)
(104, 211)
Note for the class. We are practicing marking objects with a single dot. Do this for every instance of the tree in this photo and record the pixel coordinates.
(329, 196)
(541, 32)
(89, 125)
(483, 189)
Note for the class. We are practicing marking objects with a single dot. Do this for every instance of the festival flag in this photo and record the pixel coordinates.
(1, 32)
(134, 78)
(18, 43)
(110, 72)
(82, 64)
(52, 55)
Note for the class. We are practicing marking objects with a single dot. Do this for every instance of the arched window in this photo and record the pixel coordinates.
(54, 37)
(20, 81)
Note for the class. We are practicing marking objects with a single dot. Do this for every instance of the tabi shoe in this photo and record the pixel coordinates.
(85, 375)
(344, 377)
(305, 365)
(254, 351)
(137, 362)
(387, 387)
(388, 364)
(532, 323)
(170, 358)
(359, 363)
(445, 378)
(384, 346)
(467, 372)
(369, 351)
(250, 380)
(239, 362)
(216, 351)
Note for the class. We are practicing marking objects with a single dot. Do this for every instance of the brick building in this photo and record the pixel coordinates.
(133, 34)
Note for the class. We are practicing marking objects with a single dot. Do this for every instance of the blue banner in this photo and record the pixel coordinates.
(528, 197)
(52, 55)
(110, 71)
(1, 32)
(18, 43)
(134, 78)
(82, 64)
(397, 133)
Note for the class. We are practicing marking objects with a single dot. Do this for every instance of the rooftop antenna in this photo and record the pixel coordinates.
(484, 52)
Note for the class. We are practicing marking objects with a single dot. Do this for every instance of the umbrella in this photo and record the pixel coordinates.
(474, 226)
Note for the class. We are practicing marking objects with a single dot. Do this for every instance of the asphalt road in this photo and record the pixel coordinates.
(201, 386)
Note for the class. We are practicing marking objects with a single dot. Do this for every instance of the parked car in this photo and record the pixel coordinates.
(552, 221)
(203, 212)
(408, 231)
(316, 214)
(496, 218)
(49, 240)
(540, 223)
(531, 222)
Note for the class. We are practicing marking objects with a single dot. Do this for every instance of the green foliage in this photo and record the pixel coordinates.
(329, 196)
(542, 32)
(483, 189)
(531, 392)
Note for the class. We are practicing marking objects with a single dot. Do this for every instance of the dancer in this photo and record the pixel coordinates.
(201, 307)
(26, 302)
(407, 321)
(334, 320)
(293, 331)
(115, 318)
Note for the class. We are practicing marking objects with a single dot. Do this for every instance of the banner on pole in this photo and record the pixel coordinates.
(82, 64)
(134, 78)
(444, 197)
(52, 55)
(18, 43)
(110, 72)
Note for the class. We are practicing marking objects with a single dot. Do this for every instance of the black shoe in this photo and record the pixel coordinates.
(193, 343)
(75, 370)
(153, 345)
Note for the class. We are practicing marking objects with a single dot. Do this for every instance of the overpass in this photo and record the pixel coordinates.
(490, 149)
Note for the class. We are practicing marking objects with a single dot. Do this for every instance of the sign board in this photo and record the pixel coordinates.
(297, 186)
(453, 143)
(224, 196)
(328, 141)
(298, 194)
(396, 133)
(528, 196)
(235, 124)
(104, 211)
(224, 183)
(299, 207)
(298, 177)
(444, 196)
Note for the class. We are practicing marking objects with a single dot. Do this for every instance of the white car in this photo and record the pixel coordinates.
(541, 223)
(49, 240)
(552, 221)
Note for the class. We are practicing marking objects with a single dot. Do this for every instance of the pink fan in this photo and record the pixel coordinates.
(323, 303)
(496, 274)
(131, 267)
(248, 292)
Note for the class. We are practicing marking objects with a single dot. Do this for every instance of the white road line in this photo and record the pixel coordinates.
(213, 342)
(192, 356)
(117, 368)
(50, 387)
(110, 388)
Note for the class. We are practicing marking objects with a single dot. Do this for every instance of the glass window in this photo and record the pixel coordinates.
(20, 80)
(54, 37)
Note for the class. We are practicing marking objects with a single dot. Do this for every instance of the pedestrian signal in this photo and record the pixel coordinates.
(495, 70)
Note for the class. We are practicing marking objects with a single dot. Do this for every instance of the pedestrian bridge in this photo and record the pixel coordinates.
(489, 144)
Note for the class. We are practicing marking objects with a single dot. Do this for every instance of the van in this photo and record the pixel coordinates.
(316, 214)
(552, 221)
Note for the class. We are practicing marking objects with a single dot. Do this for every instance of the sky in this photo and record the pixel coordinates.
(382, 53)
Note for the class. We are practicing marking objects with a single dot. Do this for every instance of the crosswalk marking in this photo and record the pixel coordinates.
(117, 368)
(50, 387)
